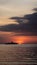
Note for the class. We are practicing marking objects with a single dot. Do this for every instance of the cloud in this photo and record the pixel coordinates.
(29, 28)
(35, 9)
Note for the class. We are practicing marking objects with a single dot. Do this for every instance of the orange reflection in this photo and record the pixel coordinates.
(24, 39)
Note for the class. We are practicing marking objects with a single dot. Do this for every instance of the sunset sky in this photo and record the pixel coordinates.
(12, 28)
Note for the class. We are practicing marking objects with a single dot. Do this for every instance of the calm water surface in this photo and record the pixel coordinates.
(25, 54)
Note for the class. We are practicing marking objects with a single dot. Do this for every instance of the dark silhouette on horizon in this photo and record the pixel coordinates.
(14, 43)
(10, 43)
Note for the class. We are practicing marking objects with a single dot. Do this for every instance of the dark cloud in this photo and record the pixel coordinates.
(35, 9)
(29, 28)
(18, 19)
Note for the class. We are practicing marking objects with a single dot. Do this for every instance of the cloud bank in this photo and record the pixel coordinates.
(27, 28)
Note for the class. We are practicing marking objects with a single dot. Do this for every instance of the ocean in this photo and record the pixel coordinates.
(19, 54)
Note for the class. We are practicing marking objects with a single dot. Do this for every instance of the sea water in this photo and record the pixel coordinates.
(20, 54)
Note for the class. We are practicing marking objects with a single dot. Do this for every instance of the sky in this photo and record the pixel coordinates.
(13, 27)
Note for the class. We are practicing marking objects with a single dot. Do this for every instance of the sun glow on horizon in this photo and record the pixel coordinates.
(24, 39)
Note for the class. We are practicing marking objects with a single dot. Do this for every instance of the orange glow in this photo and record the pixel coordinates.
(24, 39)
(7, 37)
(19, 40)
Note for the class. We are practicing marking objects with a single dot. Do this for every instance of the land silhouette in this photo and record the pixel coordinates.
(9, 43)
(14, 43)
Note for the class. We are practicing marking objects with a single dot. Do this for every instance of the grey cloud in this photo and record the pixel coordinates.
(35, 9)
(29, 28)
